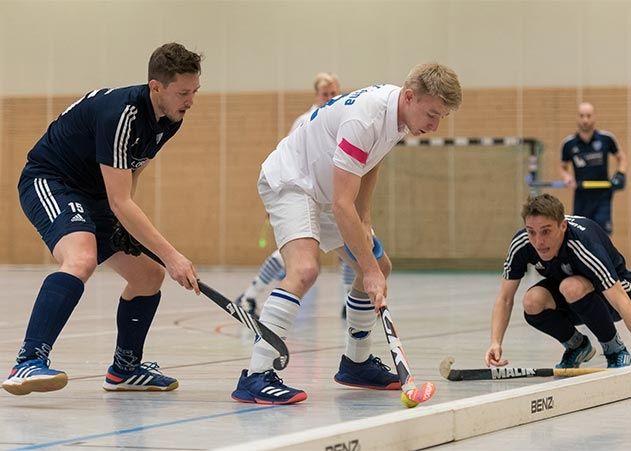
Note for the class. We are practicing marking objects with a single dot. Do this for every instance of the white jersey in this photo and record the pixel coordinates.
(353, 132)
(304, 117)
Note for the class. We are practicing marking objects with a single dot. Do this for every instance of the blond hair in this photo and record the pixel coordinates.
(435, 80)
(325, 79)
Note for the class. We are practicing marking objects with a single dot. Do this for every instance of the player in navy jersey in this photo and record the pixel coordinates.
(586, 281)
(588, 152)
(79, 180)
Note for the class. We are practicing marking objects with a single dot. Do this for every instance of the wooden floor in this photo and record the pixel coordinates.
(193, 340)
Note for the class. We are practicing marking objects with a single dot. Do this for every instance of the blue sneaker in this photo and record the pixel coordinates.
(34, 375)
(147, 377)
(618, 359)
(265, 388)
(572, 358)
(372, 373)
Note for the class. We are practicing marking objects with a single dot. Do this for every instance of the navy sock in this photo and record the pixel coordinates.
(595, 314)
(552, 322)
(57, 298)
(133, 320)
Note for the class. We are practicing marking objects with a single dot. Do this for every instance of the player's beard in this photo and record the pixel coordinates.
(586, 128)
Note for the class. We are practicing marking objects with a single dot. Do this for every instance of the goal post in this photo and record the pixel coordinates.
(453, 203)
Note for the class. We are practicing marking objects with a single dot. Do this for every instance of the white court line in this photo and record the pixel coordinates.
(423, 427)
(65, 336)
(92, 317)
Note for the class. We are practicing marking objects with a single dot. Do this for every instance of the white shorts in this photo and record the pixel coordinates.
(294, 214)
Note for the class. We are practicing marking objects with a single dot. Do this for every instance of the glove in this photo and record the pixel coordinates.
(122, 241)
(377, 249)
(618, 181)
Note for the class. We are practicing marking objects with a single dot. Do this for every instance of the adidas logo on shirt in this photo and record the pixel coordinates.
(77, 218)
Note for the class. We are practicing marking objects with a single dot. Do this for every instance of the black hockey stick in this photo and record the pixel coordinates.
(486, 374)
(408, 386)
(585, 184)
(240, 315)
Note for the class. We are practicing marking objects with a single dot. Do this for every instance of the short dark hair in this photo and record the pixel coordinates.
(543, 205)
(171, 59)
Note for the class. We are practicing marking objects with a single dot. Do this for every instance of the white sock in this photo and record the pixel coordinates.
(255, 288)
(273, 268)
(360, 319)
(278, 314)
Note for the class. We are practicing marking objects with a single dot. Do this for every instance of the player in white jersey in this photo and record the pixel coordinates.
(317, 187)
(326, 86)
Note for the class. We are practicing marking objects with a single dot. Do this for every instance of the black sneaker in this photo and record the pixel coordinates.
(618, 359)
(372, 373)
(572, 358)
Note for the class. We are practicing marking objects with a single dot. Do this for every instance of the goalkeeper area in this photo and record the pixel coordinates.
(453, 203)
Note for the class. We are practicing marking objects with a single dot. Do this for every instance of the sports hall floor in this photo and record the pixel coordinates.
(192, 339)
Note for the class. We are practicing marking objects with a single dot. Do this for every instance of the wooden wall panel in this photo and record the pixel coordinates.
(187, 210)
(251, 131)
(201, 190)
(24, 121)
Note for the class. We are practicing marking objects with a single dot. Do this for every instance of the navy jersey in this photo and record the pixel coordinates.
(586, 251)
(115, 127)
(590, 160)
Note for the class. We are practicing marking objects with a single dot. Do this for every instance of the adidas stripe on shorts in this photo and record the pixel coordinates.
(57, 210)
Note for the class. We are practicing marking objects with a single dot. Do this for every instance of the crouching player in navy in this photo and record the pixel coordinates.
(78, 181)
(585, 282)
(317, 187)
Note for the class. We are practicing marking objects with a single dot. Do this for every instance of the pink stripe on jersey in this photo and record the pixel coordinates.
(353, 151)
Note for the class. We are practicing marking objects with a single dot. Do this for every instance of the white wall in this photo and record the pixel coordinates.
(72, 46)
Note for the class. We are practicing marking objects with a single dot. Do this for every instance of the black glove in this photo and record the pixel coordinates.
(618, 181)
(122, 241)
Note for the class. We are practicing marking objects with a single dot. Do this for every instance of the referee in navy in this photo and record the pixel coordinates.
(76, 189)
(587, 151)
(585, 281)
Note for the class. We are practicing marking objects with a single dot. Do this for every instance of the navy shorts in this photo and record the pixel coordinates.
(57, 210)
(563, 306)
(595, 205)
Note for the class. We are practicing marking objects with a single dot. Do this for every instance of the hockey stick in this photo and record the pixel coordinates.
(585, 184)
(240, 315)
(411, 395)
(485, 374)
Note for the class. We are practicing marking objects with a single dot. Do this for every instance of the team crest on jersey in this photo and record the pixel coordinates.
(566, 268)
(575, 149)
(597, 145)
(579, 162)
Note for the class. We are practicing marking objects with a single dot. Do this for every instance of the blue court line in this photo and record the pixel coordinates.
(137, 429)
